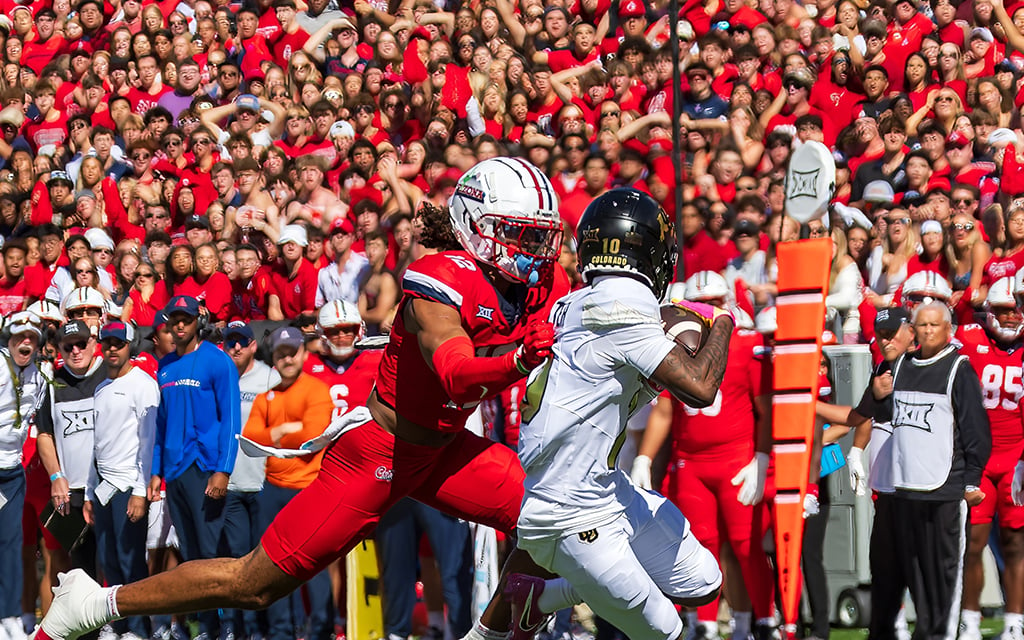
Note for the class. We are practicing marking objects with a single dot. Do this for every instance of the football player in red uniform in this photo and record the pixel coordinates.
(472, 322)
(348, 372)
(717, 470)
(995, 350)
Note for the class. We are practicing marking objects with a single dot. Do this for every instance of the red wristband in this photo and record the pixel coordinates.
(812, 489)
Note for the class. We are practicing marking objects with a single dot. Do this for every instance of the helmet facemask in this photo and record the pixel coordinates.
(342, 353)
(1007, 330)
(522, 247)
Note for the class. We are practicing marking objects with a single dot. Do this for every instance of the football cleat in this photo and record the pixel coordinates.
(523, 592)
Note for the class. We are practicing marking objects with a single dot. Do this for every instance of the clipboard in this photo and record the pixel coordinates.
(69, 530)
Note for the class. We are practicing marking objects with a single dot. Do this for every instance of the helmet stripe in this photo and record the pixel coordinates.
(537, 183)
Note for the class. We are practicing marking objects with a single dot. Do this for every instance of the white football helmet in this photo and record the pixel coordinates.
(83, 298)
(925, 286)
(47, 310)
(337, 313)
(505, 213)
(706, 285)
(676, 292)
(767, 321)
(1003, 294)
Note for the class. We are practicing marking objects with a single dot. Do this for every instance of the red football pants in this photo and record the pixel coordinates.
(368, 470)
(703, 491)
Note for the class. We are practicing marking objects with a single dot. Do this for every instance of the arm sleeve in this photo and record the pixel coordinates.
(256, 426)
(229, 408)
(44, 417)
(321, 299)
(972, 423)
(412, 66)
(467, 378)
(473, 118)
(161, 432)
(1012, 181)
(845, 293)
(146, 412)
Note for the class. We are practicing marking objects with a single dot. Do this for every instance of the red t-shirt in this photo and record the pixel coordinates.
(702, 253)
(13, 295)
(727, 426)
(40, 134)
(249, 299)
(297, 293)
(143, 101)
(215, 293)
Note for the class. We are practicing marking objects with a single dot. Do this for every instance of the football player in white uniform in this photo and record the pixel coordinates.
(627, 552)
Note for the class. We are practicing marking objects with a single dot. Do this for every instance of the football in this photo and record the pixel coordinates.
(688, 329)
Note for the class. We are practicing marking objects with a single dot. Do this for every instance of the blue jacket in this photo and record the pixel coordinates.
(199, 413)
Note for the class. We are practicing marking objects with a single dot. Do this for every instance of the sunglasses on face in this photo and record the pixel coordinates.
(963, 201)
(231, 343)
(72, 346)
(113, 343)
(903, 221)
(886, 335)
(963, 226)
(143, 274)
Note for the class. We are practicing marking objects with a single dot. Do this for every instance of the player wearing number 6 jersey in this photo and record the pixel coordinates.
(472, 322)
(718, 468)
(349, 373)
(626, 552)
(995, 351)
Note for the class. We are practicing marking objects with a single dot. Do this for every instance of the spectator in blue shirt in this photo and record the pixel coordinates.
(198, 419)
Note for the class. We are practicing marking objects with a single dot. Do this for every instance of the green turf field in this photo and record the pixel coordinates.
(989, 629)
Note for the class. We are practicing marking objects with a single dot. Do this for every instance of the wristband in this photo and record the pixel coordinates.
(57, 476)
(812, 489)
(520, 365)
(971, 488)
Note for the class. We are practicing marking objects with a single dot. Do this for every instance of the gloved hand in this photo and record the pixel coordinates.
(536, 347)
(811, 506)
(708, 312)
(752, 478)
(641, 472)
(858, 476)
(1017, 484)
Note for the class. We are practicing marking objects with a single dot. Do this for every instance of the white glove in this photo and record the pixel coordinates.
(858, 476)
(641, 472)
(811, 507)
(752, 478)
(342, 424)
(1017, 484)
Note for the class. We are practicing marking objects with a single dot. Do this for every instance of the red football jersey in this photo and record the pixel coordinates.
(727, 425)
(999, 370)
(351, 386)
(495, 325)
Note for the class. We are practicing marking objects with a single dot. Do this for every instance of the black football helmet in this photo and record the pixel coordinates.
(625, 231)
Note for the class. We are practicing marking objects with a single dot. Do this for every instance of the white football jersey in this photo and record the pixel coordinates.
(609, 342)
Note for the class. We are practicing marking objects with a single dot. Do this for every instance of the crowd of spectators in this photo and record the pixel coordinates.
(269, 157)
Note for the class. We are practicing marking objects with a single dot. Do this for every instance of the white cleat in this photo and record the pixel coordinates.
(14, 628)
(79, 606)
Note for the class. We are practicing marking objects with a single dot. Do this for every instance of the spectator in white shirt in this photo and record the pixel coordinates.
(125, 421)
